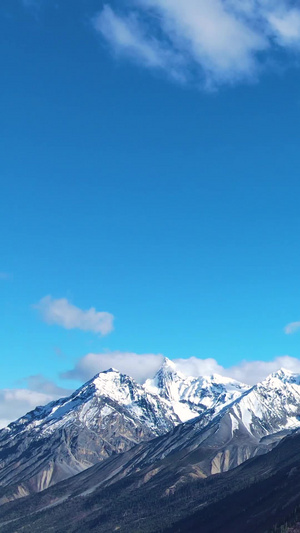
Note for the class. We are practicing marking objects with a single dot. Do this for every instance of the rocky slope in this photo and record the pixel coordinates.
(108, 415)
(147, 490)
(112, 413)
(191, 396)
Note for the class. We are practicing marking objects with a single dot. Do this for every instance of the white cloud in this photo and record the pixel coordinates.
(211, 41)
(292, 328)
(14, 403)
(67, 315)
(250, 372)
(128, 36)
(138, 366)
(286, 26)
(39, 383)
(143, 366)
(4, 422)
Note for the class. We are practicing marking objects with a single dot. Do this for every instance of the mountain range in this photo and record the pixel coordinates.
(132, 443)
(108, 415)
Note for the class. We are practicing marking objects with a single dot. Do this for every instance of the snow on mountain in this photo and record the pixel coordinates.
(251, 425)
(111, 413)
(270, 406)
(222, 438)
(191, 396)
(85, 405)
(108, 415)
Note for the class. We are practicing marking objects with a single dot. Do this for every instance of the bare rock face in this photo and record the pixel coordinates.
(190, 396)
(225, 423)
(152, 483)
(108, 415)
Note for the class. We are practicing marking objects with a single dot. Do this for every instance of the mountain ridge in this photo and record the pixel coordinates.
(112, 413)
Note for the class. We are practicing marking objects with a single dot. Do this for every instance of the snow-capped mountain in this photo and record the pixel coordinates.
(107, 415)
(251, 425)
(191, 396)
(112, 413)
(170, 464)
(270, 406)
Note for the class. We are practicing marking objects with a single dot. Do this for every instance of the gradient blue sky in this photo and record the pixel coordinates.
(173, 205)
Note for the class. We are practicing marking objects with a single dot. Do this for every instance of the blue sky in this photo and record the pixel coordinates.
(150, 173)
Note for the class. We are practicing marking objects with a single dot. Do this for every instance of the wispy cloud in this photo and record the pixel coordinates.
(34, 391)
(292, 328)
(286, 26)
(39, 383)
(15, 403)
(250, 372)
(128, 35)
(138, 366)
(62, 313)
(210, 41)
(39, 390)
(143, 366)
